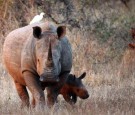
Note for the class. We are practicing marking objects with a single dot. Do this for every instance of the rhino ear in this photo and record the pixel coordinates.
(61, 31)
(37, 32)
(82, 76)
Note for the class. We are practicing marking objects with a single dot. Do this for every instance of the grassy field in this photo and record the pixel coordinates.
(111, 87)
(109, 95)
(100, 47)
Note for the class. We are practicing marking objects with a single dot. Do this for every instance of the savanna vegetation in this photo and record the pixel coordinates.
(99, 32)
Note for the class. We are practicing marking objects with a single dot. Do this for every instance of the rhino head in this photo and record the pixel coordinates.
(48, 52)
(77, 87)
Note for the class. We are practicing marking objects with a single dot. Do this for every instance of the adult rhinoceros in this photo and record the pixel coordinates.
(34, 54)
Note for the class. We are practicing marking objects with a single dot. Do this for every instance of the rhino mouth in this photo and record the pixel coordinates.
(85, 96)
(49, 77)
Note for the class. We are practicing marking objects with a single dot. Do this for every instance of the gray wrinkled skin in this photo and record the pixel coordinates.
(66, 56)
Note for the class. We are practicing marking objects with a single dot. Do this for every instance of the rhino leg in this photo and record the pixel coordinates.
(33, 102)
(71, 99)
(34, 86)
(66, 97)
(23, 94)
(51, 96)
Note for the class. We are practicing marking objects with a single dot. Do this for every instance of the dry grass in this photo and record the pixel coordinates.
(111, 93)
(101, 50)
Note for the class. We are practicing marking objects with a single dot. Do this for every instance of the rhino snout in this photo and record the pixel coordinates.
(48, 77)
(41, 79)
(85, 96)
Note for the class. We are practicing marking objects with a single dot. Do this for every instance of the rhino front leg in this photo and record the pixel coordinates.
(34, 86)
(33, 103)
(23, 94)
(66, 97)
(71, 99)
(51, 96)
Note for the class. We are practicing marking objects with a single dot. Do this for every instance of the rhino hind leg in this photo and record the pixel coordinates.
(23, 94)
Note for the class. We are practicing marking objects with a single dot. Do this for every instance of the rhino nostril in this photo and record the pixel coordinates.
(87, 96)
(41, 79)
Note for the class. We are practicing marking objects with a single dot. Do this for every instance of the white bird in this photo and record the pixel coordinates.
(37, 18)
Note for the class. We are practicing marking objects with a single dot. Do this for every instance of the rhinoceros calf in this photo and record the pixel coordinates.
(34, 54)
(74, 88)
(70, 88)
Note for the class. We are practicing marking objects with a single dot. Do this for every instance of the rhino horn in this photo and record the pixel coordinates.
(50, 58)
